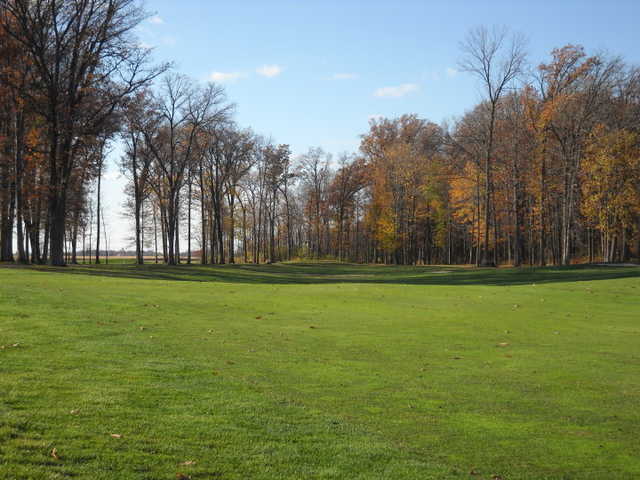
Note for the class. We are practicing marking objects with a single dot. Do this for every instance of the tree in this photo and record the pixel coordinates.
(611, 187)
(87, 61)
(496, 59)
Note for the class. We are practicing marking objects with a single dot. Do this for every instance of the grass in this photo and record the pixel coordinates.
(323, 371)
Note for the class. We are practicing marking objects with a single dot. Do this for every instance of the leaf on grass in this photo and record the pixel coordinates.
(474, 472)
(75, 411)
(258, 317)
(116, 435)
(229, 362)
(182, 476)
(189, 462)
(503, 344)
(54, 453)
(457, 358)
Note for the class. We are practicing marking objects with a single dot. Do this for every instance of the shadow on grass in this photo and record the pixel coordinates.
(327, 273)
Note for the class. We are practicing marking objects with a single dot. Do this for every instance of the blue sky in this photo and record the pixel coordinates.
(311, 73)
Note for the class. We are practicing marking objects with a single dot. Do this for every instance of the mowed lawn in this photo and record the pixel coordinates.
(319, 371)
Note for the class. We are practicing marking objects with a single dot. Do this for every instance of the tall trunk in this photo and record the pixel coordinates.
(23, 257)
(203, 219)
(155, 233)
(244, 234)
(57, 210)
(98, 209)
(189, 222)
(219, 225)
(7, 202)
(137, 194)
(170, 226)
(541, 209)
(231, 201)
(488, 190)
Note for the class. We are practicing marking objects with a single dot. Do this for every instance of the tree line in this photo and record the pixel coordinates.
(544, 170)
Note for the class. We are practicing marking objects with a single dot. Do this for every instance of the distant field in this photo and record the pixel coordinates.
(323, 371)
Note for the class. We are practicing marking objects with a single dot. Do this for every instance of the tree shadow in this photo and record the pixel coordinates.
(333, 272)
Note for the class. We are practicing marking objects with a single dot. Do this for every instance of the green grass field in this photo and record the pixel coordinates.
(319, 371)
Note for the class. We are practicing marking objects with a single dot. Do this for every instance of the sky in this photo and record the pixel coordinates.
(312, 73)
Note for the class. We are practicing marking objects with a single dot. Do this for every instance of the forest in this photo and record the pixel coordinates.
(544, 170)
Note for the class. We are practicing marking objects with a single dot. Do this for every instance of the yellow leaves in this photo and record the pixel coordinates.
(610, 169)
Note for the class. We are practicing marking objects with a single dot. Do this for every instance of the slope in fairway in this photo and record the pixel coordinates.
(319, 371)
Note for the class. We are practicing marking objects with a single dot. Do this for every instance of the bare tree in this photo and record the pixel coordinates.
(496, 58)
(183, 111)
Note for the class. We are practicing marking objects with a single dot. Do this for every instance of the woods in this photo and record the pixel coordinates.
(544, 170)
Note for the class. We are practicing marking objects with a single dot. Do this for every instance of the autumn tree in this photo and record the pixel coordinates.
(87, 60)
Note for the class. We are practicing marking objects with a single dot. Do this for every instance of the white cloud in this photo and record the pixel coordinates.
(269, 71)
(226, 77)
(398, 91)
(344, 76)
(156, 20)
(451, 72)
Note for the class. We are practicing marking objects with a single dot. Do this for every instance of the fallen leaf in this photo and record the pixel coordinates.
(229, 362)
(503, 344)
(54, 453)
(182, 476)
(311, 326)
(189, 462)
(75, 411)
(116, 435)
(258, 318)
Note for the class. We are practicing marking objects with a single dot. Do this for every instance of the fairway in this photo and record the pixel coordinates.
(319, 371)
